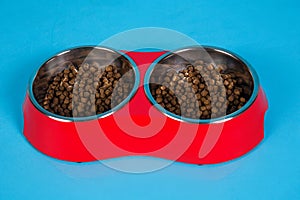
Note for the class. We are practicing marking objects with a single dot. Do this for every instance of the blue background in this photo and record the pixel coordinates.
(266, 33)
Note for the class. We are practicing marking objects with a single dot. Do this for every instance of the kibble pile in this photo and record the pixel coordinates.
(202, 90)
(88, 89)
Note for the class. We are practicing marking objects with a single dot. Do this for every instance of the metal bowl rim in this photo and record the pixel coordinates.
(87, 118)
(225, 118)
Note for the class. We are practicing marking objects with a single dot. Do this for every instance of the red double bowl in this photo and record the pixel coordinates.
(138, 126)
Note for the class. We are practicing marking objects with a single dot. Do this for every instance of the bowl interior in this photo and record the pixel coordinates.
(82, 82)
(198, 84)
